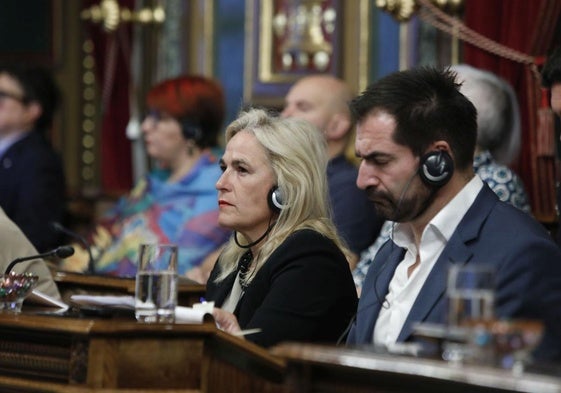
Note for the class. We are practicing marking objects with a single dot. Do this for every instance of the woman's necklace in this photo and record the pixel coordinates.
(243, 269)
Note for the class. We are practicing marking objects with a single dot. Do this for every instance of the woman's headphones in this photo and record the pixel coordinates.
(436, 168)
(191, 129)
(274, 199)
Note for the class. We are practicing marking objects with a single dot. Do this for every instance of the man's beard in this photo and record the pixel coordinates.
(410, 205)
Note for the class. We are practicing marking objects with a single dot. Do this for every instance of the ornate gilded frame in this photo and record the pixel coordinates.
(265, 85)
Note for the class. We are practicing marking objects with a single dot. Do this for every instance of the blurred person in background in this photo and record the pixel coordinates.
(176, 202)
(32, 181)
(498, 132)
(322, 100)
(551, 79)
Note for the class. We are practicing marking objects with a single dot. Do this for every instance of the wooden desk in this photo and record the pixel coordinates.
(314, 368)
(233, 365)
(60, 352)
(41, 353)
(189, 291)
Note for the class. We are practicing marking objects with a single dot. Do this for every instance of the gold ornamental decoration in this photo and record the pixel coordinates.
(403, 10)
(301, 28)
(110, 15)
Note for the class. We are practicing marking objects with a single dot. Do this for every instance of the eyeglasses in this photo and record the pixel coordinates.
(157, 116)
(5, 95)
(154, 115)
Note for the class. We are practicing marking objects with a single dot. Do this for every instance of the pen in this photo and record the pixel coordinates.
(246, 332)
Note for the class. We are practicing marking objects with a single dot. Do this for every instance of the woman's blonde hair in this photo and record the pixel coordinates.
(297, 153)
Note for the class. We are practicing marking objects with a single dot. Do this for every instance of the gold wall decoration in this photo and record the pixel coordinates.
(302, 30)
(403, 10)
(287, 39)
(110, 15)
(89, 117)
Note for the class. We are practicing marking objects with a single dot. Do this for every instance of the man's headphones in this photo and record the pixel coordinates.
(274, 200)
(191, 129)
(436, 168)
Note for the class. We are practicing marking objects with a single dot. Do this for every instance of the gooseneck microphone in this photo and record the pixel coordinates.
(62, 229)
(61, 252)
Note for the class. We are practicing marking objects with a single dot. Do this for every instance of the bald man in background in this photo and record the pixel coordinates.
(323, 100)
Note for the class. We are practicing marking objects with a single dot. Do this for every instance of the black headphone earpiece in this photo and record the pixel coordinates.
(275, 199)
(191, 129)
(436, 168)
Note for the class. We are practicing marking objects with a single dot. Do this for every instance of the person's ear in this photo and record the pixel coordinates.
(33, 111)
(442, 145)
(338, 126)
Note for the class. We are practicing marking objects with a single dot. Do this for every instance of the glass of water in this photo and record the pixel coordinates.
(156, 283)
(471, 294)
(471, 310)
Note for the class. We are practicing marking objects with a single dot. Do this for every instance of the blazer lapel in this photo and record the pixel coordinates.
(224, 289)
(434, 289)
(374, 292)
(455, 252)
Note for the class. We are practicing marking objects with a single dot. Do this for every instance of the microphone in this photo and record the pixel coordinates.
(62, 229)
(61, 252)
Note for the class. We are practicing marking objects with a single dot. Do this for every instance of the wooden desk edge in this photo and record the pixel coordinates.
(101, 326)
(122, 283)
(361, 359)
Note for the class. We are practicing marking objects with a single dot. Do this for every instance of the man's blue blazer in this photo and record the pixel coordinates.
(527, 260)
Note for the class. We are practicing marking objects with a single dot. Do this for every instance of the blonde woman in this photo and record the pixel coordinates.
(285, 270)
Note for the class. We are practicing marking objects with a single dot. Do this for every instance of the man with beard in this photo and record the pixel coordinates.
(416, 136)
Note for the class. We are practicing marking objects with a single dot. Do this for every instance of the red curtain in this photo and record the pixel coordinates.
(112, 52)
(528, 27)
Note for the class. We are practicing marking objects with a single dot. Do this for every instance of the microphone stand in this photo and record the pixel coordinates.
(61, 252)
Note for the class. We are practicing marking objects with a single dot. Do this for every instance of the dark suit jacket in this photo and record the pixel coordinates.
(303, 292)
(32, 189)
(528, 265)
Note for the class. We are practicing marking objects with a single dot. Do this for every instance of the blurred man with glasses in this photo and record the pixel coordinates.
(32, 183)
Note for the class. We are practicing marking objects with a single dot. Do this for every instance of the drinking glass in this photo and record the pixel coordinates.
(156, 283)
(471, 310)
(471, 294)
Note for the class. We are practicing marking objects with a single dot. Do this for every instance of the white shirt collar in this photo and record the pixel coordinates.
(7, 141)
(447, 219)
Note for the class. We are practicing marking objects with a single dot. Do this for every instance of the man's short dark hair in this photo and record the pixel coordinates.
(427, 106)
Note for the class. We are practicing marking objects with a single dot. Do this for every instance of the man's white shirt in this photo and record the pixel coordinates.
(403, 290)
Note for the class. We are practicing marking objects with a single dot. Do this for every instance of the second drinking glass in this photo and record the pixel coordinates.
(156, 283)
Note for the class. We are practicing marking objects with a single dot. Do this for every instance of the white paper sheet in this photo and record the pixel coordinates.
(182, 314)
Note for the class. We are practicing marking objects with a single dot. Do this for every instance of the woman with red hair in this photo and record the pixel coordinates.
(176, 202)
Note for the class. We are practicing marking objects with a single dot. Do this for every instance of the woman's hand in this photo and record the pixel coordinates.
(226, 321)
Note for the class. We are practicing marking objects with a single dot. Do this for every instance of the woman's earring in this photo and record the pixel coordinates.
(190, 148)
